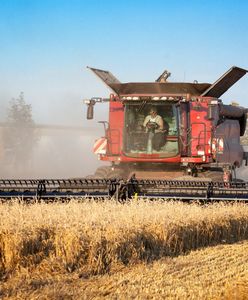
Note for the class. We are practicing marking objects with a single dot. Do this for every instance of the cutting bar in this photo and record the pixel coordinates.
(121, 190)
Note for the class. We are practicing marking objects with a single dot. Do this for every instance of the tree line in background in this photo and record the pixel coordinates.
(18, 137)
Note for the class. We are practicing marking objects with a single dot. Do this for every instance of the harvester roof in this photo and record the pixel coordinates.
(218, 88)
(159, 88)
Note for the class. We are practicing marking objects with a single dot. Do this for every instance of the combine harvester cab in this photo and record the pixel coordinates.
(166, 130)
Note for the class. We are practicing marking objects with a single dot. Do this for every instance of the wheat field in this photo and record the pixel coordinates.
(140, 250)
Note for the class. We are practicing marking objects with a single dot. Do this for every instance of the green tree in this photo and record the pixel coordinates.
(19, 136)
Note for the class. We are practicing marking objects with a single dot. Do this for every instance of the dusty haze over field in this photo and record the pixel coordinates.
(46, 46)
(58, 154)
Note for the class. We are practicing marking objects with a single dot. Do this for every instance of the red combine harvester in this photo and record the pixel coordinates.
(170, 130)
(165, 133)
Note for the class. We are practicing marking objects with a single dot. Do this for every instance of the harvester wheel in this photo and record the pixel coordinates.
(90, 177)
(212, 175)
(106, 172)
(102, 172)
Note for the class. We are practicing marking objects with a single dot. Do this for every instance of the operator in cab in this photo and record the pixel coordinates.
(154, 126)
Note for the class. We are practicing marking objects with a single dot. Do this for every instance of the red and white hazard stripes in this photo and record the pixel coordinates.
(100, 146)
(217, 146)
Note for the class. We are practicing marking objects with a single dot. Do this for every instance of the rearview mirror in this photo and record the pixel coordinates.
(90, 109)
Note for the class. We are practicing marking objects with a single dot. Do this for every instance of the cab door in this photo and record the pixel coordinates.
(115, 129)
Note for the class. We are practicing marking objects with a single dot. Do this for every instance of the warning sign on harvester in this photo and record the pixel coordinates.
(218, 146)
(100, 146)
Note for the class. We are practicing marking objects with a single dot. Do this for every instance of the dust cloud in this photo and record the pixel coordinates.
(242, 172)
(61, 151)
(58, 153)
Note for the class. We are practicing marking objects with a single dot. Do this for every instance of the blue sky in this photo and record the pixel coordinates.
(46, 45)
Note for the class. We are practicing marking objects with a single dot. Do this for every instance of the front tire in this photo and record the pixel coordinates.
(107, 172)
